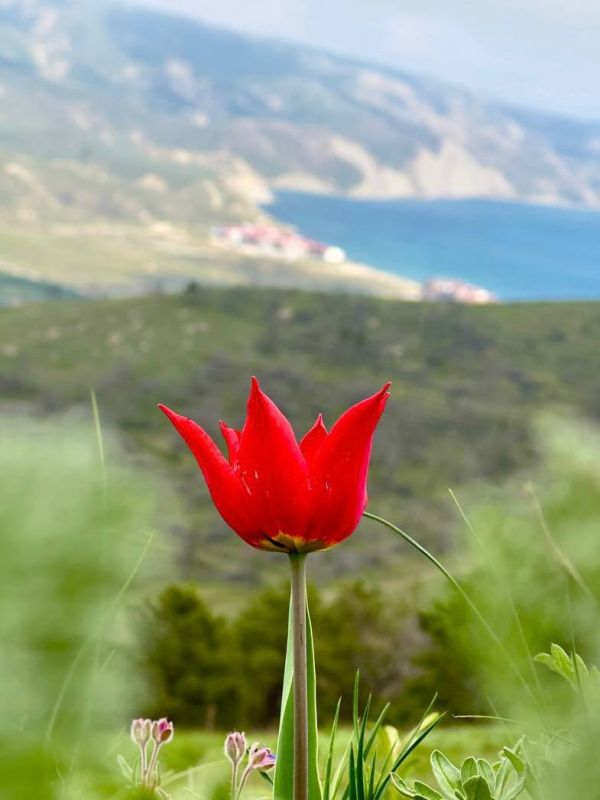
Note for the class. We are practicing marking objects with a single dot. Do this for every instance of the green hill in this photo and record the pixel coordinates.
(467, 384)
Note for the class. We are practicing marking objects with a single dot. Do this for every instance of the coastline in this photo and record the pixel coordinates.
(373, 281)
(318, 275)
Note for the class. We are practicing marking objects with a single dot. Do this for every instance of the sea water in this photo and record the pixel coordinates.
(517, 251)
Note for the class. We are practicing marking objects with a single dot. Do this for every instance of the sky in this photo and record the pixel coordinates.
(542, 54)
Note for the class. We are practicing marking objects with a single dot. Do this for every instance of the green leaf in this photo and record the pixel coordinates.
(503, 774)
(402, 786)
(486, 771)
(516, 790)
(468, 769)
(580, 667)
(283, 783)
(446, 774)
(559, 661)
(545, 659)
(426, 791)
(515, 760)
(562, 661)
(477, 789)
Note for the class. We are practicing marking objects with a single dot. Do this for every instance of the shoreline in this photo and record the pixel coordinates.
(348, 276)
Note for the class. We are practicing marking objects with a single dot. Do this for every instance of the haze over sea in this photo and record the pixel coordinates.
(519, 252)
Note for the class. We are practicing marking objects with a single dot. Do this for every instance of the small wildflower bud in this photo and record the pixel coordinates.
(140, 731)
(162, 731)
(260, 758)
(235, 746)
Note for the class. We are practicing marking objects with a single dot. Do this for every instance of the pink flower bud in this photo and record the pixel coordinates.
(261, 758)
(235, 746)
(162, 731)
(140, 731)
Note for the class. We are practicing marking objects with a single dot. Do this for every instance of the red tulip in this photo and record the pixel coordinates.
(280, 495)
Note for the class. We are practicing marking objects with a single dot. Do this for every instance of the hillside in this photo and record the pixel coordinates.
(126, 133)
(467, 386)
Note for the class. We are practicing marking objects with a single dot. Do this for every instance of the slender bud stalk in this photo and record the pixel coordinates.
(234, 774)
(298, 568)
(150, 776)
(143, 762)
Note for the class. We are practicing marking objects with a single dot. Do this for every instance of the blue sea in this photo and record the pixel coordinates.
(519, 252)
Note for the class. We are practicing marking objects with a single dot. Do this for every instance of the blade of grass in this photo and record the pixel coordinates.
(90, 640)
(511, 602)
(520, 724)
(352, 787)
(412, 735)
(188, 772)
(99, 438)
(375, 729)
(371, 789)
(360, 752)
(355, 701)
(405, 754)
(337, 778)
(482, 620)
(561, 557)
(327, 780)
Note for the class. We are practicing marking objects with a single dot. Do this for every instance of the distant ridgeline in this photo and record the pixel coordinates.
(15, 291)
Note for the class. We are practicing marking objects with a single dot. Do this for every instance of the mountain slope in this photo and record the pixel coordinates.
(115, 120)
(296, 115)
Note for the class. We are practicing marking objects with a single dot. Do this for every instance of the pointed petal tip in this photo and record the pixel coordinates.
(384, 393)
(256, 394)
(167, 411)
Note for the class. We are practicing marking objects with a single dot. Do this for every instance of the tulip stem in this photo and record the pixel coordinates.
(298, 567)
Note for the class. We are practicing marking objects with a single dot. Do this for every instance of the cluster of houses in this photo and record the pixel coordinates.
(271, 240)
(455, 291)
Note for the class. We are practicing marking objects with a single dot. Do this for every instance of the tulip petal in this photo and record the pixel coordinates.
(272, 466)
(232, 440)
(341, 468)
(313, 439)
(226, 489)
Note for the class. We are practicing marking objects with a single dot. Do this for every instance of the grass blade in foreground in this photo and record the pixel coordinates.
(482, 620)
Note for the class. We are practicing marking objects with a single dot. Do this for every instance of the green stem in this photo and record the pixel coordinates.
(298, 568)
(234, 773)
